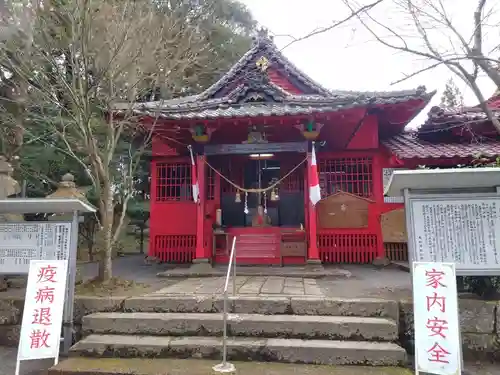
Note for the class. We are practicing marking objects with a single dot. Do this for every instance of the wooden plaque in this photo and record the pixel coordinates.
(293, 249)
(394, 226)
(343, 210)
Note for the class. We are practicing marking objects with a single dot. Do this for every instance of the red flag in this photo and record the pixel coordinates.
(314, 190)
(194, 178)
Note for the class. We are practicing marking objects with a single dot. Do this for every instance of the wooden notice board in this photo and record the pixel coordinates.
(343, 210)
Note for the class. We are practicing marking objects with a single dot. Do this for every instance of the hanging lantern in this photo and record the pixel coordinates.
(274, 195)
(201, 134)
(311, 130)
(237, 198)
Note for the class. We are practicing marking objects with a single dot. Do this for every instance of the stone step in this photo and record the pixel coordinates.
(321, 352)
(249, 325)
(269, 305)
(144, 366)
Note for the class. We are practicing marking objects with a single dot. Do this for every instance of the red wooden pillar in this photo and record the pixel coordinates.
(312, 227)
(202, 254)
(153, 231)
(378, 194)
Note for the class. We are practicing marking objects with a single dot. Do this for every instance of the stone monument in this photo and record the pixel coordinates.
(8, 187)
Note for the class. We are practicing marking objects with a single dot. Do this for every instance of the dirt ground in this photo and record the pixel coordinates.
(132, 277)
(203, 367)
(367, 281)
(136, 278)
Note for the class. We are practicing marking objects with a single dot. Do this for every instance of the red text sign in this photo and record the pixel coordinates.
(43, 310)
(437, 337)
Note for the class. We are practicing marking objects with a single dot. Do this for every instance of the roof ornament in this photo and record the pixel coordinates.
(263, 37)
(262, 63)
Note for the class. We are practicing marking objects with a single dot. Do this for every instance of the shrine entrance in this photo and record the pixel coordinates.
(260, 216)
(282, 206)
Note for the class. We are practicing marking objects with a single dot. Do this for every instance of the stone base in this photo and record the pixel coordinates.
(201, 261)
(314, 265)
(315, 262)
(201, 266)
(381, 262)
(318, 352)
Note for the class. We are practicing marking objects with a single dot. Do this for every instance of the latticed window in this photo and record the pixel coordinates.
(352, 175)
(210, 185)
(173, 182)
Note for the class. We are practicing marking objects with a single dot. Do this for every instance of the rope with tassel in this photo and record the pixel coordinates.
(262, 190)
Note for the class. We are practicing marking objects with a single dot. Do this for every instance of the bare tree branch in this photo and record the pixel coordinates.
(335, 24)
(427, 17)
(84, 57)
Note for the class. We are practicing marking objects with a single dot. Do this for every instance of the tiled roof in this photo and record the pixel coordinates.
(264, 45)
(257, 95)
(290, 106)
(408, 146)
(438, 114)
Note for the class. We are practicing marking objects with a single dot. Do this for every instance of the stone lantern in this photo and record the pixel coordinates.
(67, 189)
(8, 188)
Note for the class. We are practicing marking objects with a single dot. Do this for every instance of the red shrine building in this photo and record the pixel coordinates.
(252, 133)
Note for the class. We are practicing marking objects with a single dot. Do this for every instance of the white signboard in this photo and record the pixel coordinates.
(463, 230)
(22, 242)
(386, 176)
(437, 336)
(43, 310)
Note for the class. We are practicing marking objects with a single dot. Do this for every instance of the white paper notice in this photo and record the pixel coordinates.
(43, 310)
(437, 336)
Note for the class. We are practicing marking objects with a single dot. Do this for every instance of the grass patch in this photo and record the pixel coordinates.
(136, 366)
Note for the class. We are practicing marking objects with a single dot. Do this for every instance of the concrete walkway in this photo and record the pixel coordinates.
(245, 285)
(313, 272)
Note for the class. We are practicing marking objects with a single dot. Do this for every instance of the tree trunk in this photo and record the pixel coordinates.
(106, 260)
(142, 239)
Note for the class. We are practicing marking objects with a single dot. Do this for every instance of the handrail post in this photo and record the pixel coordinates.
(234, 272)
(224, 333)
(225, 366)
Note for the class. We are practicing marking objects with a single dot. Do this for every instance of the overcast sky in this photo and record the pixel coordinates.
(348, 57)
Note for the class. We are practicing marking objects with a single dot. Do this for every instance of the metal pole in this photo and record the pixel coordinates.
(234, 272)
(24, 188)
(225, 366)
(224, 337)
(70, 299)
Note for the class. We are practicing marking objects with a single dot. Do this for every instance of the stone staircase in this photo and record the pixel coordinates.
(310, 330)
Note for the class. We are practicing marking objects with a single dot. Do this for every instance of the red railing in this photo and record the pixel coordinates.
(347, 247)
(174, 248)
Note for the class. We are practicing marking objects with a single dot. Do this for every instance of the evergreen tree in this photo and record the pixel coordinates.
(451, 97)
(71, 76)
